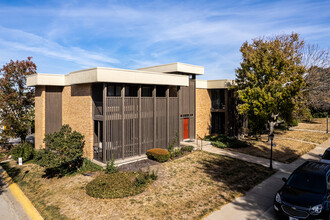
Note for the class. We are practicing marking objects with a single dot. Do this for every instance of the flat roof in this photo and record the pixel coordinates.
(102, 74)
(176, 68)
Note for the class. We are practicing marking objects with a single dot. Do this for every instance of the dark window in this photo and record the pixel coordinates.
(307, 182)
(114, 90)
(147, 91)
(131, 91)
(173, 91)
(161, 91)
(326, 155)
(218, 123)
(218, 98)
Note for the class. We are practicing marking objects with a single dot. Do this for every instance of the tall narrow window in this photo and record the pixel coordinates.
(173, 91)
(147, 91)
(114, 90)
(161, 91)
(131, 91)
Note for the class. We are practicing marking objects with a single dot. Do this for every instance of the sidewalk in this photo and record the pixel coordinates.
(258, 202)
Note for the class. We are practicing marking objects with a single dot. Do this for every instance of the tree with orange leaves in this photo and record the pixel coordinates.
(16, 99)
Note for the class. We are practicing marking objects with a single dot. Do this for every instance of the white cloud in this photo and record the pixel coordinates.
(158, 32)
(22, 41)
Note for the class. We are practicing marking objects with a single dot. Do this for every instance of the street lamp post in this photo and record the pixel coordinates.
(271, 137)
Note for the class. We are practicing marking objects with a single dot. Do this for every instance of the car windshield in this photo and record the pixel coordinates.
(326, 155)
(307, 182)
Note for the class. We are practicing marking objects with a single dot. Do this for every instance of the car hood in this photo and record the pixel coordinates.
(301, 198)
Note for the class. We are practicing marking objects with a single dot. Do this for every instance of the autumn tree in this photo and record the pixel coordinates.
(16, 99)
(317, 64)
(269, 80)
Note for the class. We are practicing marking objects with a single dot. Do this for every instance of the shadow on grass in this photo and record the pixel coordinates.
(237, 175)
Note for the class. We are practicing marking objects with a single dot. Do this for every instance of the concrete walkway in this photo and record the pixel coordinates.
(258, 202)
(300, 129)
(10, 209)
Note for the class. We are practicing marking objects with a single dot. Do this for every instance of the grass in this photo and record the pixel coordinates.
(314, 124)
(286, 151)
(186, 188)
(290, 145)
(313, 137)
(223, 141)
(117, 185)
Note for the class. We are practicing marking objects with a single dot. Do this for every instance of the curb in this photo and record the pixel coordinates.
(27, 205)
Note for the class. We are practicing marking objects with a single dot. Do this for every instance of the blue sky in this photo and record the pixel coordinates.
(64, 36)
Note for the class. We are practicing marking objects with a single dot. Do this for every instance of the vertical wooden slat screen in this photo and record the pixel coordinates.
(161, 122)
(131, 137)
(174, 118)
(114, 128)
(147, 131)
(134, 125)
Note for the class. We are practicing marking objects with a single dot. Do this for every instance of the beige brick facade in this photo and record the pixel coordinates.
(77, 112)
(39, 117)
(203, 112)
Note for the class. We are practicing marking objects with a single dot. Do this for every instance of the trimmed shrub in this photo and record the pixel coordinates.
(23, 150)
(158, 154)
(187, 148)
(117, 185)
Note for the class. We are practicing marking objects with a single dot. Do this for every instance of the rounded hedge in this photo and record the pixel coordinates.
(158, 154)
(115, 185)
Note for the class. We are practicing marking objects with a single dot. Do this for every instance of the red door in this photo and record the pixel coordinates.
(185, 128)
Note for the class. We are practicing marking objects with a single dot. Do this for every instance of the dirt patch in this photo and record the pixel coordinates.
(187, 188)
(139, 165)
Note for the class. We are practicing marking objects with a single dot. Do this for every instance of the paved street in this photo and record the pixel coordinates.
(10, 209)
(258, 202)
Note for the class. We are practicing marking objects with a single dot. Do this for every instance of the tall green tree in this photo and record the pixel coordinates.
(270, 80)
(16, 99)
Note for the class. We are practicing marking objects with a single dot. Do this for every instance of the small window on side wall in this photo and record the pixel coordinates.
(114, 90)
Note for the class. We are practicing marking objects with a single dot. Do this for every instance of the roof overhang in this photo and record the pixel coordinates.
(176, 67)
(111, 75)
(214, 84)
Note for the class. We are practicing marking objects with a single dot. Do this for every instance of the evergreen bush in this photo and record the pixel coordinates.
(158, 154)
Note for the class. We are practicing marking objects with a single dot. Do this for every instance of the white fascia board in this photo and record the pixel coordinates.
(176, 67)
(214, 84)
(110, 75)
(140, 77)
(45, 79)
(201, 84)
(82, 76)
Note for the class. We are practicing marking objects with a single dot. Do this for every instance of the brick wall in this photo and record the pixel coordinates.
(203, 112)
(39, 116)
(77, 112)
